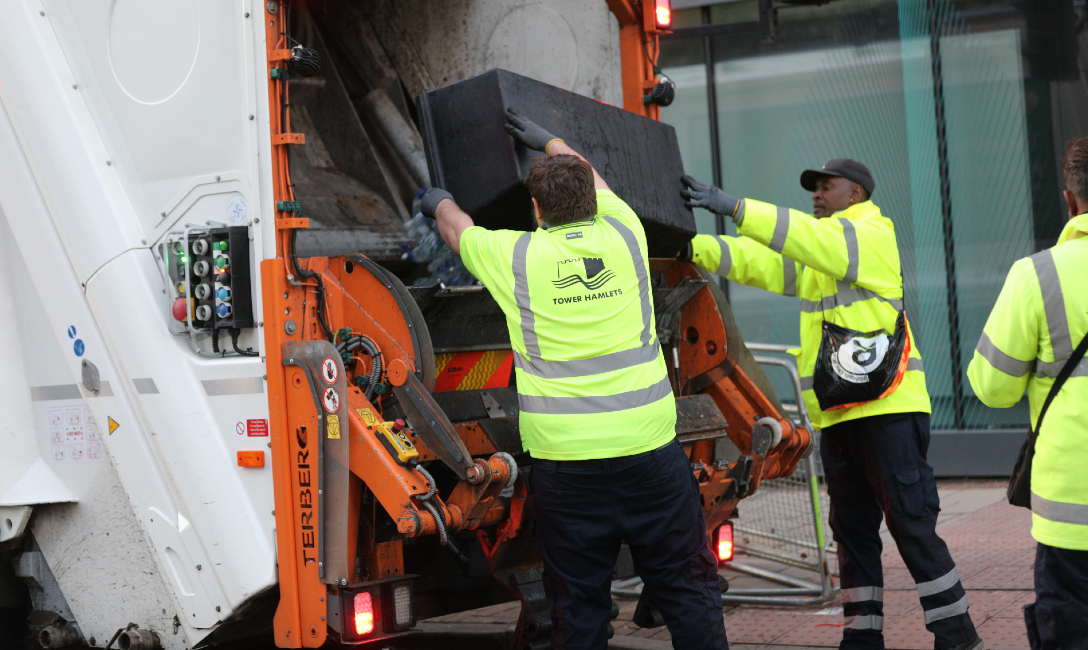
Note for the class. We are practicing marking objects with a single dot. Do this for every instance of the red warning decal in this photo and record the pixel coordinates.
(328, 370)
(257, 428)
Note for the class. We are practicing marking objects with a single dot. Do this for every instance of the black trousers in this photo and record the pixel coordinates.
(1058, 619)
(876, 466)
(652, 503)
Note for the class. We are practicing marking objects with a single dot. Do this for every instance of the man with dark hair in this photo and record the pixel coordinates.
(843, 263)
(1031, 342)
(597, 413)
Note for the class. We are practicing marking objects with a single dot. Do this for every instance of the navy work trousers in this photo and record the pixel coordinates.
(1058, 619)
(652, 503)
(877, 466)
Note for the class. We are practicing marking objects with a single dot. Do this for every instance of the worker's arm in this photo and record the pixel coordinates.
(452, 220)
(1006, 351)
(859, 251)
(748, 262)
(535, 137)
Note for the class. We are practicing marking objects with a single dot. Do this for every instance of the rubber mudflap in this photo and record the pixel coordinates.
(471, 156)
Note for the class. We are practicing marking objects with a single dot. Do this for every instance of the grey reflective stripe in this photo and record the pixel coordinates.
(948, 611)
(851, 236)
(945, 582)
(726, 262)
(595, 403)
(806, 383)
(521, 295)
(789, 277)
(586, 367)
(1057, 511)
(1052, 368)
(49, 393)
(1000, 360)
(862, 594)
(781, 230)
(870, 622)
(641, 273)
(845, 297)
(1054, 305)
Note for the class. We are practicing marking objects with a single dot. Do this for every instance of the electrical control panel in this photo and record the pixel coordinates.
(208, 272)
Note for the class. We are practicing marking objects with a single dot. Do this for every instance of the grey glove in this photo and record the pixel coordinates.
(701, 195)
(430, 200)
(526, 131)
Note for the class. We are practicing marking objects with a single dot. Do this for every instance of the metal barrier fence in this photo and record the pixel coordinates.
(783, 521)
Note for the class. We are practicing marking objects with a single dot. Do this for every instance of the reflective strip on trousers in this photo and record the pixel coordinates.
(595, 403)
(853, 259)
(948, 611)
(912, 365)
(586, 367)
(870, 622)
(1058, 511)
(944, 583)
(844, 297)
(863, 594)
(998, 359)
(781, 229)
(641, 273)
(1056, 321)
(726, 262)
(789, 277)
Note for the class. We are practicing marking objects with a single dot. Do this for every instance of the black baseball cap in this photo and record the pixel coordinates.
(843, 167)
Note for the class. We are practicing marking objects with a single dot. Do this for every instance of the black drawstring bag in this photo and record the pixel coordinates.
(853, 368)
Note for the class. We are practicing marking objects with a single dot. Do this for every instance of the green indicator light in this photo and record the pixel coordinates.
(222, 245)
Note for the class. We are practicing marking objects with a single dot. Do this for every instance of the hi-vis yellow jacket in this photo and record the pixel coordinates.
(846, 271)
(1040, 317)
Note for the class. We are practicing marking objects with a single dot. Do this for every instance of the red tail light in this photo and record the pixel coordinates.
(364, 613)
(662, 14)
(723, 543)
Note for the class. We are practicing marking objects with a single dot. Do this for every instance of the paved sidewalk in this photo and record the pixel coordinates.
(989, 540)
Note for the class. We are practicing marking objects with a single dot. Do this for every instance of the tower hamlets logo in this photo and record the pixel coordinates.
(590, 272)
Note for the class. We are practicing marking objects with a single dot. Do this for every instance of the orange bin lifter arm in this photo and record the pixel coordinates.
(641, 23)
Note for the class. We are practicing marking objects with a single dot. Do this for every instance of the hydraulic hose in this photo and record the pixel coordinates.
(359, 341)
(425, 500)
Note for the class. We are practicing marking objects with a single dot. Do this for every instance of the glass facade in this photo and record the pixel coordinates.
(961, 109)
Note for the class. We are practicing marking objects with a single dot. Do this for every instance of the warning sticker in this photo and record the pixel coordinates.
(73, 436)
(257, 428)
(333, 427)
(328, 370)
(368, 417)
(112, 424)
(332, 400)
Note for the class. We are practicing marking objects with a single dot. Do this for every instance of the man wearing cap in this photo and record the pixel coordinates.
(843, 263)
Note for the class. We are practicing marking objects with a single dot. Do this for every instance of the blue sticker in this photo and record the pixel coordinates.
(72, 332)
(78, 347)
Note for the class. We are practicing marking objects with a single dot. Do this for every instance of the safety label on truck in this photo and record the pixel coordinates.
(328, 370)
(332, 400)
(257, 428)
(73, 436)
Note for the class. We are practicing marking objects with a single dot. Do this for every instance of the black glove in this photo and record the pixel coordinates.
(431, 199)
(526, 131)
(701, 195)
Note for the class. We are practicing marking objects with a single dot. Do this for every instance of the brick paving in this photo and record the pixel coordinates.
(988, 538)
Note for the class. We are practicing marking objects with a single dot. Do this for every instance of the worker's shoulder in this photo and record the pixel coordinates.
(493, 237)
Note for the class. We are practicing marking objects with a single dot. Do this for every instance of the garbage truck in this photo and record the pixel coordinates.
(247, 397)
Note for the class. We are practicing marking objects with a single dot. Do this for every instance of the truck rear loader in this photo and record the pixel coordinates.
(235, 408)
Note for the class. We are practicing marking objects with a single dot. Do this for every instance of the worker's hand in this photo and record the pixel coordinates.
(527, 132)
(701, 195)
(431, 198)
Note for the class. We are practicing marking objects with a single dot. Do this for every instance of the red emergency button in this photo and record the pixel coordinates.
(251, 459)
(180, 313)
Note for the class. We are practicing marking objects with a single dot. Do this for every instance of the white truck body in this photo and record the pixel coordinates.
(120, 121)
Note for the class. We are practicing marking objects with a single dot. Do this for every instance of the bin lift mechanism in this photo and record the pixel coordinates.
(328, 318)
